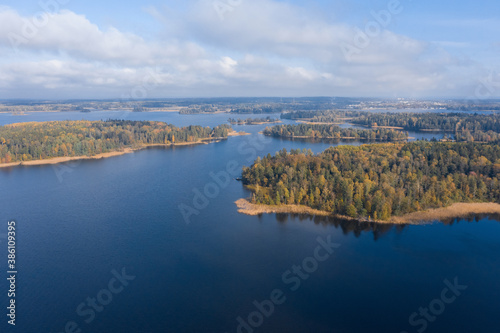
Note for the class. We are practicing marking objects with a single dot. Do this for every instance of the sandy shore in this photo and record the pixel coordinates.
(234, 133)
(245, 207)
(57, 160)
(454, 211)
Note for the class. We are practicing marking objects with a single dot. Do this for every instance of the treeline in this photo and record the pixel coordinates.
(334, 132)
(472, 107)
(328, 116)
(257, 109)
(252, 121)
(197, 109)
(466, 127)
(432, 121)
(380, 180)
(33, 141)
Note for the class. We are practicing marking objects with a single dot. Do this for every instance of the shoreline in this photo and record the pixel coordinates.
(174, 110)
(333, 138)
(235, 133)
(456, 210)
(57, 160)
(318, 122)
(248, 208)
(252, 124)
(127, 150)
(404, 129)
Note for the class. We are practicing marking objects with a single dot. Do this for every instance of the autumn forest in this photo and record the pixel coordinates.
(36, 141)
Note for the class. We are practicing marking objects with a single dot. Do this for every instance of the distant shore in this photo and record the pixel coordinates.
(255, 123)
(333, 138)
(172, 109)
(456, 210)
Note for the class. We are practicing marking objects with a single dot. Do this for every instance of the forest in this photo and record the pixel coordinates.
(450, 122)
(334, 132)
(257, 109)
(464, 126)
(253, 121)
(327, 116)
(35, 141)
(377, 181)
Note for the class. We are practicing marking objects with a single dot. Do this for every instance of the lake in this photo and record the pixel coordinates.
(103, 246)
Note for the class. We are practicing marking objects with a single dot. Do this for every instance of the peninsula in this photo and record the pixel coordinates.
(253, 121)
(61, 141)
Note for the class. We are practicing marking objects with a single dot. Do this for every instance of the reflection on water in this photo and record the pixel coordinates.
(347, 226)
(471, 218)
(378, 229)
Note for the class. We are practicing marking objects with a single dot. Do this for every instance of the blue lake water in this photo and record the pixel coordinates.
(77, 223)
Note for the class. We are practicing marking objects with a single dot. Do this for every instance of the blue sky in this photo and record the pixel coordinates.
(151, 49)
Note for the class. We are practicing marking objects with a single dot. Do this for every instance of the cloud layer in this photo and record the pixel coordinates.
(259, 47)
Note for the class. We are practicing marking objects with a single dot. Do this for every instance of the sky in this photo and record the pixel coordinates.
(74, 49)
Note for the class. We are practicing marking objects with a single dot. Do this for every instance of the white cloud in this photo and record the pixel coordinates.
(261, 47)
(73, 34)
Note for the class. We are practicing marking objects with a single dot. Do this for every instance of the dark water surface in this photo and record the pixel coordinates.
(78, 222)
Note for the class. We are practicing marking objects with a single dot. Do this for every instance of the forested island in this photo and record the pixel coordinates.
(258, 109)
(464, 126)
(325, 116)
(57, 139)
(378, 181)
(321, 131)
(253, 121)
